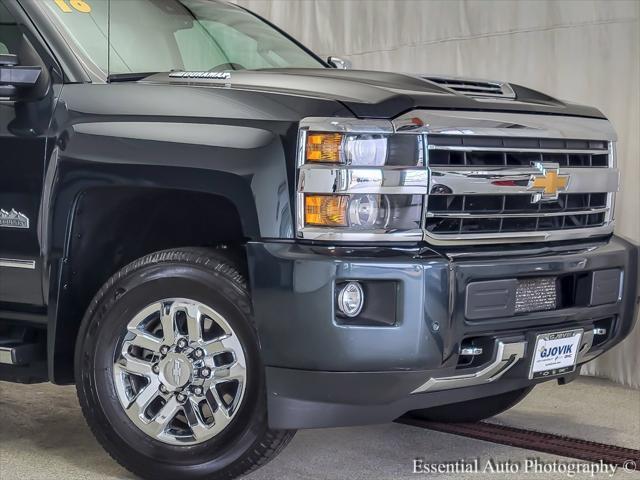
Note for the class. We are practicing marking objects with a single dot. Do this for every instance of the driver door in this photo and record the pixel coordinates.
(24, 121)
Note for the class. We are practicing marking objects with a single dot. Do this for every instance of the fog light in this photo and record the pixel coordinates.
(351, 299)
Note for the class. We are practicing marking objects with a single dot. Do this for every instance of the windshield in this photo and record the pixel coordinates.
(165, 35)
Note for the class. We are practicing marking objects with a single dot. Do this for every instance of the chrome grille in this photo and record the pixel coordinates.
(508, 177)
(467, 172)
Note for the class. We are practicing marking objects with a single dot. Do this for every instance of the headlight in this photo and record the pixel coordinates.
(363, 212)
(358, 180)
(364, 149)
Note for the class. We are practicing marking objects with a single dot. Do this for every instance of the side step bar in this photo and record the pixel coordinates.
(21, 354)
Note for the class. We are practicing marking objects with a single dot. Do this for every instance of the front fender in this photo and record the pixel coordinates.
(239, 145)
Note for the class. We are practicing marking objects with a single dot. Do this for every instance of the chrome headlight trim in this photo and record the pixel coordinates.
(348, 179)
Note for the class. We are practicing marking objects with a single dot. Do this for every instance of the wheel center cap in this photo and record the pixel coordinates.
(175, 371)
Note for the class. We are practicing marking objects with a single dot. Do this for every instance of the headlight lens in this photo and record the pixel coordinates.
(363, 150)
(369, 150)
(363, 211)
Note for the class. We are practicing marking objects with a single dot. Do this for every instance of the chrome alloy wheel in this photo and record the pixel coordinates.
(180, 373)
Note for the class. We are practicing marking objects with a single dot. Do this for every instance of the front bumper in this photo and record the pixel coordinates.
(321, 372)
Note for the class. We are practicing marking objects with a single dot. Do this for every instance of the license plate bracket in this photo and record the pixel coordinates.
(555, 353)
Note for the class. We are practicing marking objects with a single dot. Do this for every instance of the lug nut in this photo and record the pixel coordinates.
(181, 397)
(163, 389)
(156, 368)
(182, 343)
(205, 372)
(197, 390)
(164, 350)
(199, 353)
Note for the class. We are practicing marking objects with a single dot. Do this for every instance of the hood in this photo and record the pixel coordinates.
(372, 94)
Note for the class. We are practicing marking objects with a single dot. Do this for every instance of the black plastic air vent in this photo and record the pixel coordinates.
(475, 88)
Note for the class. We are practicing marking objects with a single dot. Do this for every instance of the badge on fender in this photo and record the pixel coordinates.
(13, 219)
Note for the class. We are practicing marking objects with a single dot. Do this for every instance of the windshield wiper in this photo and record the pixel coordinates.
(129, 77)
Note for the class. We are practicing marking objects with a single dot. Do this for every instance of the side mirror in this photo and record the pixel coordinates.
(339, 63)
(14, 77)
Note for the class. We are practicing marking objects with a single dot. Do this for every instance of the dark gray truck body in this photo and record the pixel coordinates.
(105, 172)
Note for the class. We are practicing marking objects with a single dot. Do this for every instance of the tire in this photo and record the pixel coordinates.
(105, 357)
(472, 410)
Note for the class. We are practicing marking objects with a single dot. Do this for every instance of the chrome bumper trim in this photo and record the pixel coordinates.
(335, 235)
(516, 237)
(507, 355)
(586, 344)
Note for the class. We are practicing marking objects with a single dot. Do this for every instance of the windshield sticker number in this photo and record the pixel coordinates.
(79, 5)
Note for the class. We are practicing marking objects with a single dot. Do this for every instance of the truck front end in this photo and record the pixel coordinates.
(440, 257)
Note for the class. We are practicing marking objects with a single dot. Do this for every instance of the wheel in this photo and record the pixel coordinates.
(472, 410)
(168, 370)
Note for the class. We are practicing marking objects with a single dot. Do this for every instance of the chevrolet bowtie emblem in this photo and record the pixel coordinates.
(177, 371)
(549, 183)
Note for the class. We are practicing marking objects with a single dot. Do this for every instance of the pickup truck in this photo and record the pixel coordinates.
(221, 238)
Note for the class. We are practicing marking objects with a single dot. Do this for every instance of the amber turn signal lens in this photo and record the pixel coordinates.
(326, 210)
(324, 147)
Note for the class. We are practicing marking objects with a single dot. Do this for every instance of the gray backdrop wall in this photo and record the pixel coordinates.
(583, 51)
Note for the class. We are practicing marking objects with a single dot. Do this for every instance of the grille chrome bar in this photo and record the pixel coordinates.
(501, 180)
(589, 211)
(500, 124)
(457, 148)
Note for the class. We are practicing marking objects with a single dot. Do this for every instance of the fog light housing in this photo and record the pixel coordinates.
(351, 299)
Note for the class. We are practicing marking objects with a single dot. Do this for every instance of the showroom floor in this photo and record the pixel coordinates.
(43, 436)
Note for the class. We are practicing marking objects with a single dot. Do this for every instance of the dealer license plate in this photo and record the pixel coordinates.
(555, 353)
